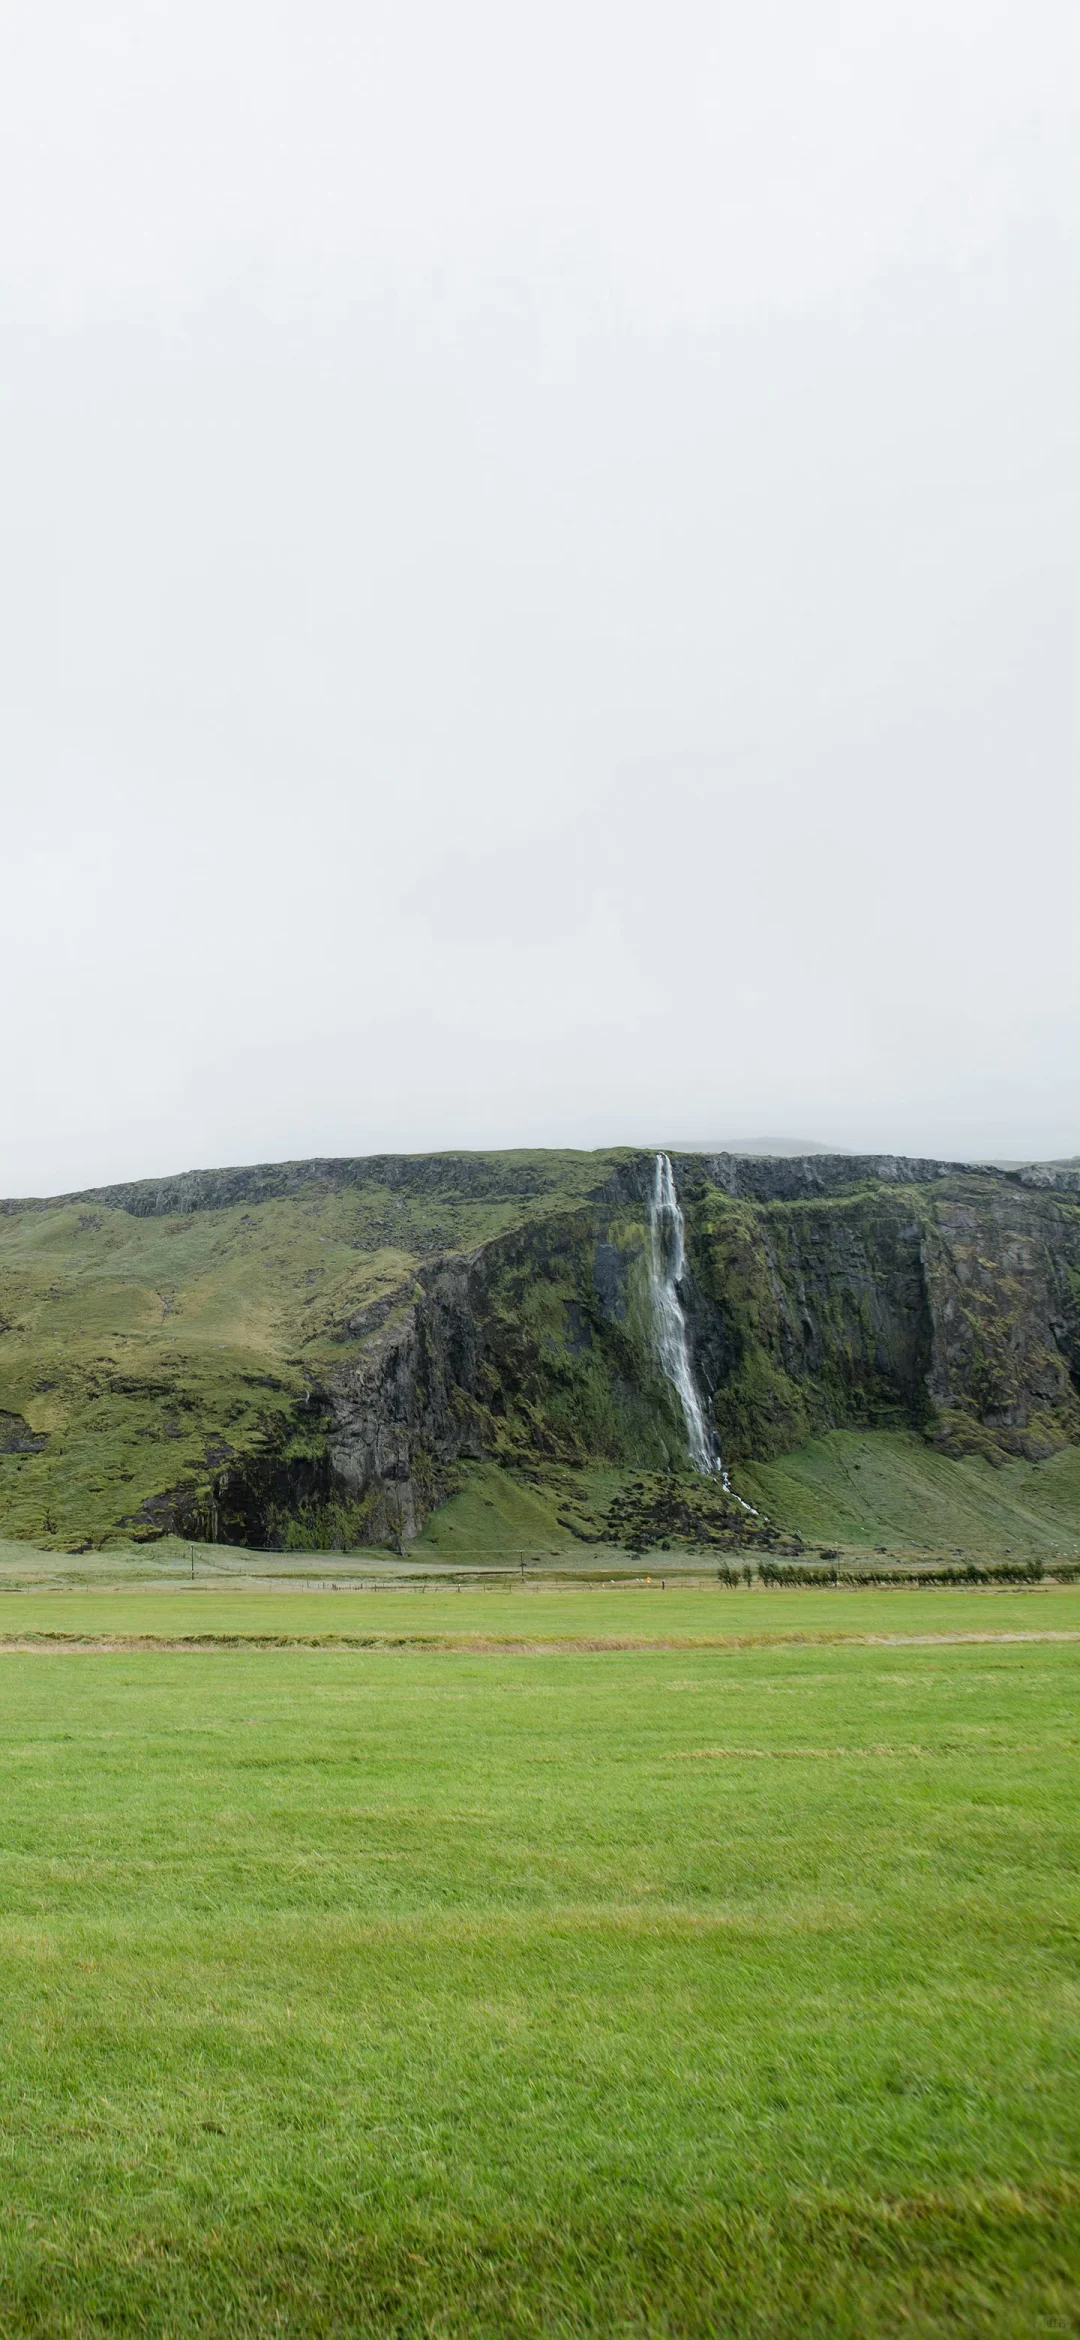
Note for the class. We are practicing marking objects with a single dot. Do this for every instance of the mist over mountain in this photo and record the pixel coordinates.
(548, 616)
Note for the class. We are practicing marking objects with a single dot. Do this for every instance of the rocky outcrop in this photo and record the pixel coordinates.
(408, 1406)
(771, 1178)
(1002, 1271)
(907, 1293)
(476, 1177)
(16, 1436)
(825, 1315)
(530, 1349)
(621, 1173)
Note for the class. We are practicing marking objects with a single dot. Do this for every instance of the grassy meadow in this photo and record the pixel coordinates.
(648, 1610)
(719, 1983)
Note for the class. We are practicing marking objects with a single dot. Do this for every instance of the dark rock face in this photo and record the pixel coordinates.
(16, 1436)
(1002, 1275)
(478, 1176)
(498, 1177)
(953, 1306)
(251, 1494)
(801, 1179)
(944, 1300)
(521, 1350)
(407, 1408)
(826, 1314)
(609, 1276)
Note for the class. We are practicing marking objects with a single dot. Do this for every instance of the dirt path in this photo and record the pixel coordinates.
(195, 1644)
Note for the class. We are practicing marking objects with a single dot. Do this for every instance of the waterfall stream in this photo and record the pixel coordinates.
(667, 1261)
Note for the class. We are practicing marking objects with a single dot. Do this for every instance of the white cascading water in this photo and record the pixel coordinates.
(667, 1261)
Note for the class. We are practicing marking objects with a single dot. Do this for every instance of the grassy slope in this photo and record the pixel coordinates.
(498, 1517)
(137, 1344)
(443, 1993)
(889, 1488)
(856, 1489)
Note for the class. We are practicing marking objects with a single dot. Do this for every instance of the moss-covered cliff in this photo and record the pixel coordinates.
(312, 1351)
(950, 1305)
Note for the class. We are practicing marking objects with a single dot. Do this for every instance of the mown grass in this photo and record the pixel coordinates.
(646, 1611)
(669, 1992)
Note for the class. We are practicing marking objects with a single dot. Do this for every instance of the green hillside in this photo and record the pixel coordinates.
(462, 1349)
(138, 1352)
(860, 1491)
(889, 1488)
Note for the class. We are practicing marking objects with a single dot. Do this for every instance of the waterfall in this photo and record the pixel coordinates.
(667, 1261)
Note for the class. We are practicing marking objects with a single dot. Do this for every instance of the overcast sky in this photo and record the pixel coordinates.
(537, 577)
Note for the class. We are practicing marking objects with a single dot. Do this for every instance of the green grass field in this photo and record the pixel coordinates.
(644, 1611)
(436, 1990)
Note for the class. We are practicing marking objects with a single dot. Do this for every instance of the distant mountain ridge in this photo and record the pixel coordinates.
(760, 1148)
(526, 1175)
(784, 1149)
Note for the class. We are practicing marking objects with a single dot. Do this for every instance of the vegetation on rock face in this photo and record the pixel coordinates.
(308, 1355)
(951, 1308)
(566, 1323)
(659, 1512)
